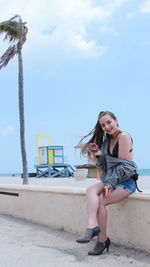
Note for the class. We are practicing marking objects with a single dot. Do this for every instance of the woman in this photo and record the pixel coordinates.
(112, 150)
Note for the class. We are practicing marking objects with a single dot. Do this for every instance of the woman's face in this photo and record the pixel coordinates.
(108, 124)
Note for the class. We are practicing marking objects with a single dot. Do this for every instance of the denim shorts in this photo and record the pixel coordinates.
(128, 185)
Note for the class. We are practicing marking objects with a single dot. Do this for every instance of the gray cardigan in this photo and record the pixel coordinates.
(114, 170)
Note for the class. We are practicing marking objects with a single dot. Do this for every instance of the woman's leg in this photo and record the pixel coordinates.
(92, 194)
(116, 196)
(92, 208)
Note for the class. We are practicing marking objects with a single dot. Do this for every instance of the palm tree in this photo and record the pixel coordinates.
(15, 32)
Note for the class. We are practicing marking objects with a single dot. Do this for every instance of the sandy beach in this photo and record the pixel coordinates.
(143, 181)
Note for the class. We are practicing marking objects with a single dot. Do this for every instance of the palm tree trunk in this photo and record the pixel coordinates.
(21, 117)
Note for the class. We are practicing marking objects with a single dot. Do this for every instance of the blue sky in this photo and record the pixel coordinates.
(80, 57)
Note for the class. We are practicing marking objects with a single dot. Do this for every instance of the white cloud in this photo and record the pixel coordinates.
(131, 14)
(88, 47)
(145, 7)
(7, 131)
(62, 24)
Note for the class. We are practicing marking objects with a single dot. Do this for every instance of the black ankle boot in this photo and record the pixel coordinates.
(100, 247)
(88, 235)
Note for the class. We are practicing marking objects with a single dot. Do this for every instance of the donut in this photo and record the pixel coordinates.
(93, 147)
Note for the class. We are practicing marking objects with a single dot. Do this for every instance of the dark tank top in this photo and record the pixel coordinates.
(116, 149)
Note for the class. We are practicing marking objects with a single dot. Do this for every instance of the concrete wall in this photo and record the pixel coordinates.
(65, 209)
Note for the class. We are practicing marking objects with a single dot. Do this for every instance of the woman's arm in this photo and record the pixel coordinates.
(125, 146)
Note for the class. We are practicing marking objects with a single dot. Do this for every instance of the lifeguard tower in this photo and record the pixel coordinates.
(51, 159)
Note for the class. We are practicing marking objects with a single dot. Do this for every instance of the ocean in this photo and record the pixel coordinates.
(10, 174)
(144, 172)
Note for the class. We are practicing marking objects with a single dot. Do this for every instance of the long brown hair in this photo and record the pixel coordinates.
(97, 134)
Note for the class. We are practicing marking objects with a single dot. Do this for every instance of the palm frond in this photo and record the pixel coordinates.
(14, 29)
(15, 32)
(8, 55)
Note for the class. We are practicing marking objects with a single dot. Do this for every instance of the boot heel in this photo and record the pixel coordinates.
(107, 248)
(107, 244)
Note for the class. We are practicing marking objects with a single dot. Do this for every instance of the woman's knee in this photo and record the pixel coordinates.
(90, 190)
(94, 189)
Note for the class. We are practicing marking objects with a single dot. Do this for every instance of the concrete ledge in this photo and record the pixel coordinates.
(65, 208)
(64, 190)
(46, 189)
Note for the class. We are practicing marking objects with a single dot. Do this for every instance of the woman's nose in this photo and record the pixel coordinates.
(106, 127)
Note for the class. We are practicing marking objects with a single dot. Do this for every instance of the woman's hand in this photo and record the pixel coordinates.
(107, 191)
(94, 149)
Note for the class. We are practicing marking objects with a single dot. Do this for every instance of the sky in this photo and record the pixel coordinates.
(80, 57)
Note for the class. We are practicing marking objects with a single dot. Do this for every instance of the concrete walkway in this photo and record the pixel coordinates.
(25, 244)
